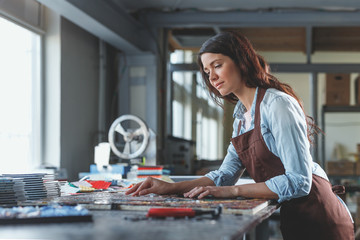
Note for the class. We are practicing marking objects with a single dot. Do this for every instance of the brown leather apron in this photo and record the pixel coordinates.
(319, 215)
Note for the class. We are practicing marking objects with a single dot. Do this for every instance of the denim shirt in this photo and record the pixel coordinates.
(283, 127)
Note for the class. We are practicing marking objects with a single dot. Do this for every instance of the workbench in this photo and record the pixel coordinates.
(114, 224)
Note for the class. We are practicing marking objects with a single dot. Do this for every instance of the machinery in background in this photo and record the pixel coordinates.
(131, 139)
(134, 143)
(179, 155)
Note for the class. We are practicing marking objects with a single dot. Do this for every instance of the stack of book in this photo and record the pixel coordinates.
(150, 171)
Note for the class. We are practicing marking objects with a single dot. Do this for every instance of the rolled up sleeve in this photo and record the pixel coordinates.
(230, 170)
(289, 186)
(288, 131)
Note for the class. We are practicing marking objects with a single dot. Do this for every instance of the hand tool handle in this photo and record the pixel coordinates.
(171, 212)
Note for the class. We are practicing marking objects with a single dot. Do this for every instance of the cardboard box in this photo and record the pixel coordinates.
(341, 168)
(357, 168)
(337, 89)
(357, 215)
(357, 90)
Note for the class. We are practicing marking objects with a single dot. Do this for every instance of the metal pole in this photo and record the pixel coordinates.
(314, 112)
(102, 90)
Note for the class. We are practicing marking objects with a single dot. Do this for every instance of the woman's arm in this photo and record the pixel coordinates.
(152, 185)
(252, 190)
(255, 190)
(282, 112)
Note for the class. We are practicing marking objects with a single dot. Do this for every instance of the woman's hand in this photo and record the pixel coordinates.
(251, 190)
(219, 192)
(150, 185)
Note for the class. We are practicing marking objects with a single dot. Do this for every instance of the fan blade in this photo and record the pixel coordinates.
(127, 148)
(120, 130)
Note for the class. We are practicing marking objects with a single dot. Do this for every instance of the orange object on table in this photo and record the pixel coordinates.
(99, 184)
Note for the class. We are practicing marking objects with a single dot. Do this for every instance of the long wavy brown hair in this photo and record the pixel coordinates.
(254, 70)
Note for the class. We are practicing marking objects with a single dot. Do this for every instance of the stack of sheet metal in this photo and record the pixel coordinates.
(27, 187)
(11, 191)
(52, 186)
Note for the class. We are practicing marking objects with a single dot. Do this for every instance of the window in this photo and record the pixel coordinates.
(19, 98)
(194, 115)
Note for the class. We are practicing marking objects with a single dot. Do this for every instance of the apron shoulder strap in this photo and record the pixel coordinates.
(338, 189)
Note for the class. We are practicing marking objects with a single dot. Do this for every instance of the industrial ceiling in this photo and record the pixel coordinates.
(278, 25)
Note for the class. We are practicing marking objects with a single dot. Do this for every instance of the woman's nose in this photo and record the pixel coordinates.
(212, 76)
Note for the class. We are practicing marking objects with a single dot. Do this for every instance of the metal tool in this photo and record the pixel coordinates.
(182, 212)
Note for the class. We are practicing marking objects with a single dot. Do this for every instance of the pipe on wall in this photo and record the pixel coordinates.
(102, 91)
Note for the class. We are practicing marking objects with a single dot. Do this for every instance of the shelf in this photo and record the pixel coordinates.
(333, 109)
(341, 108)
(343, 176)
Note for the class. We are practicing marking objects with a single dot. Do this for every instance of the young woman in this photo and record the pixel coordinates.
(271, 139)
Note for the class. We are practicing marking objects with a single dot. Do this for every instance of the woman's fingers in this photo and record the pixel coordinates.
(138, 187)
(204, 194)
(145, 184)
(145, 191)
(150, 185)
(187, 194)
(195, 192)
(133, 189)
(201, 192)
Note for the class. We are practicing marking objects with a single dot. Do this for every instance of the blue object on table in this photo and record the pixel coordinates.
(114, 168)
(45, 214)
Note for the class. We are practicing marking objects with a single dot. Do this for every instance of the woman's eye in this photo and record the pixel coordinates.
(218, 65)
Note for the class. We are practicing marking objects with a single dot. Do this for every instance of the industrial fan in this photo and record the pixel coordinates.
(130, 138)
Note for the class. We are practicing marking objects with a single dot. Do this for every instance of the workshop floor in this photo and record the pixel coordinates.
(274, 226)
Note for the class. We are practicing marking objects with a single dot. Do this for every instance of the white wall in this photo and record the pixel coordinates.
(71, 93)
(71, 89)
(139, 89)
(52, 82)
(79, 98)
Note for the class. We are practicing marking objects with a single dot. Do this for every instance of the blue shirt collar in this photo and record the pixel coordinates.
(240, 108)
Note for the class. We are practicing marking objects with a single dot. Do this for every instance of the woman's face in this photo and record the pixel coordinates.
(222, 72)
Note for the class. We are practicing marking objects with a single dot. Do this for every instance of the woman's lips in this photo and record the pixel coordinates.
(218, 85)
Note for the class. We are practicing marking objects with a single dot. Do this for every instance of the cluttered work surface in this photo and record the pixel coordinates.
(110, 214)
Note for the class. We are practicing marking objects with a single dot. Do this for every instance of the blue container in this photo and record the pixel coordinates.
(114, 168)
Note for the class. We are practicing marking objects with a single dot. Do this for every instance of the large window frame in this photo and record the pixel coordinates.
(194, 116)
(24, 146)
